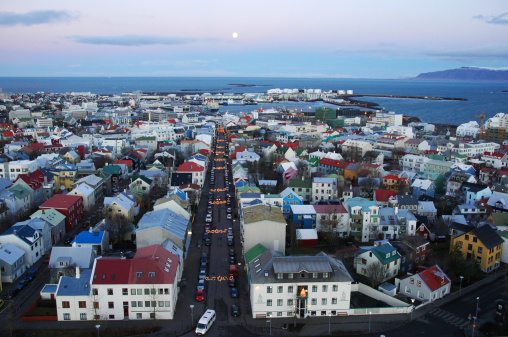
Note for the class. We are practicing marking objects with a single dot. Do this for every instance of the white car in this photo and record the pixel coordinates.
(208, 218)
(229, 217)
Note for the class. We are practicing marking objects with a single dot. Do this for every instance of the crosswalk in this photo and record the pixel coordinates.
(450, 318)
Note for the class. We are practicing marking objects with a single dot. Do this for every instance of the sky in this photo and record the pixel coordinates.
(276, 38)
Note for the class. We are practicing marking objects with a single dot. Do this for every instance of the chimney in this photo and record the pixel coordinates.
(78, 273)
(396, 209)
(43, 212)
(156, 258)
(90, 230)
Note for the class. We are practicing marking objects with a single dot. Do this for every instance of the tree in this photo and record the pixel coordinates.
(368, 185)
(117, 226)
(94, 305)
(64, 150)
(330, 221)
(101, 161)
(376, 273)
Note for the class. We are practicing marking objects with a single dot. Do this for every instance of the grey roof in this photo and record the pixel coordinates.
(10, 253)
(406, 200)
(488, 236)
(72, 286)
(167, 219)
(78, 256)
(296, 264)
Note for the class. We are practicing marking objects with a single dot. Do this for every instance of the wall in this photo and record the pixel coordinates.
(396, 306)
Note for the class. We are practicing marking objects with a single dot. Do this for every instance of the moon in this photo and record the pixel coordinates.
(235, 35)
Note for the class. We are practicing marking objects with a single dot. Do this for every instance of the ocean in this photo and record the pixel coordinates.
(481, 96)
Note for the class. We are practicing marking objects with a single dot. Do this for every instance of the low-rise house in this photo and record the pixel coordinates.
(87, 193)
(123, 204)
(413, 252)
(302, 186)
(262, 224)
(12, 262)
(289, 198)
(198, 172)
(65, 260)
(141, 183)
(384, 197)
(421, 187)
(324, 189)
(483, 244)
(408, 202)
(55, 219)
(300, 286)
(380, 263)
(304, 216)
(26, 238)
(332, 218)
(426, 286)
(97, 240)
(156, 227)
(471, 193)
(69, 205)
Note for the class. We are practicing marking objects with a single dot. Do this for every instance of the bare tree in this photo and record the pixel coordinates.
(117, 227)
(330, 221)
(376, 273)
(94, 305)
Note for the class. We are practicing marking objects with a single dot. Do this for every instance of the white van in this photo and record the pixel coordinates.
(205, 322)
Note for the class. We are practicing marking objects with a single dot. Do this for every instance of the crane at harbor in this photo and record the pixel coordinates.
(482, 116)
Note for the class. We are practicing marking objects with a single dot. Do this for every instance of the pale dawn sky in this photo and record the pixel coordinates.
(277, 38)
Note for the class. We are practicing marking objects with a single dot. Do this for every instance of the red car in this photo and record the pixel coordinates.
(47, 258)
(200, 295)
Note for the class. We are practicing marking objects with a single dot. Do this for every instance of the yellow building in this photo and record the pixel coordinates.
(64, 178)
(482, 244)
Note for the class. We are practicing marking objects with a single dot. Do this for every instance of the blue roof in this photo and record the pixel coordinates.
(22, 232)
(72, 286)
(49, 288)
(86, 237)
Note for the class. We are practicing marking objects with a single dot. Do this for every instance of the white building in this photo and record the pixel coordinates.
(17, 167)
(469, 129)
(300, 286)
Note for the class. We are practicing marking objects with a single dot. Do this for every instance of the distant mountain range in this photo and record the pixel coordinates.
(465, 74)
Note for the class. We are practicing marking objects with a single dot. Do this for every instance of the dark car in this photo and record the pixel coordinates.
(208, 242)
(232, 282)
(230, 242)
(204, 258)
(12, 293)
(231, 252)
(228, 202)
(235, 311)
(206, 236)
(85, 224)
(234, 292)
(232, 260)
(47, 258)
(67, 239)
(22, 284)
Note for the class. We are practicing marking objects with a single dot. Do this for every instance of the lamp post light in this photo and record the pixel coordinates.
(192, 314)
(477, 308)
(329, 322)
(460, 289)
(98, 326)
(370, 319)
(269, 320)
(412, 307)
(474, 326)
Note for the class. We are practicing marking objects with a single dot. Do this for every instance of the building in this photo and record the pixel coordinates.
(198, 172)
(380, 263)
(363, 218)
(481, 243)
(332, 218)
(262, 224)
(426, 286)
(12, 262)
(69, 205)
(324, 189)
(301, 286)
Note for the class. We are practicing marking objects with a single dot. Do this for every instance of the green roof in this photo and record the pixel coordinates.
(262, 212)
(146, 138)
(383, 250)
(254, 252)
(112, 169)
(145, 179)
(458, 155)
(436, 157)
(300, 183)
(19, 191)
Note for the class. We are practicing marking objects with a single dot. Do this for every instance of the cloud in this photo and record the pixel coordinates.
(469, 54)
(501, 19)
(34, 18)
(178, 63)
(135, 40)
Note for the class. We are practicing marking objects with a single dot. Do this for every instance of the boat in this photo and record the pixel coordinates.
(212, 106)
(233, 102)
(267, 111)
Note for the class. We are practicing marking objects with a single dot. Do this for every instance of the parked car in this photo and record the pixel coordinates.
(229, 217)
(200, 295)
(235, 311)
(231, 252)
(229, 210)
(202, 275)
(201, 285)
(206, 236)
(12, 293)
(46, 259)
(208, 242)
(232, 260)
(204, 258)
(208, 218)
(67, 239)
(232, 282)
(234, 292)
(230, 242)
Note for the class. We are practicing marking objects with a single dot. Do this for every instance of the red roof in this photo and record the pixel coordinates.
(434, 278)
(190, 166)
(111, 271)
(292, 145)
(330, 209)
(334, 162)
(135, 154)
(383, 195)
(8, 134)
(61, 201)
(127, 162)
(494, 154)
(391, 176)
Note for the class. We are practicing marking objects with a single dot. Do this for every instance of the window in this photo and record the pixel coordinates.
(314, 275)
(82, 316)
(125, 291)
(140, 304)
(279, 276)
(314, 289)
(466, 237)
(419, 283)
(147, 291)
(96, 305)
(111, 316)
(290, 303)
(325, 289)
(140, 291)
(133, 291)
(66, 304)
(475, 239)
(480, 250)
(269, 289)
(147, 304)
(479, 260)
(334, 300)
(279, 289)
(82, 304)
(110, 291)
(290, 275)
(269, 303)
(111, 305)
(335, 287)
(139, 274)
(408, 290)
(364, 261)
(139, 315)
(279, 303)
(133, 304)
(290, 289)
(67, 317)
(151, 274)
(314, 301)
(323, 301)
(364, 271)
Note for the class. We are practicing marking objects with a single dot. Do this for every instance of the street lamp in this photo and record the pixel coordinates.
(412, 307)
(370, 319)
(460, 290)
(477, 308)
(269, 320)
(98, 326)
(192, 313)
(329, 319)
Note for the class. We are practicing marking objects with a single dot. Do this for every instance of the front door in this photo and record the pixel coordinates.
(126, 309)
